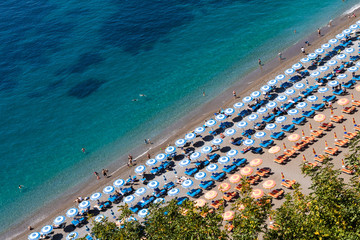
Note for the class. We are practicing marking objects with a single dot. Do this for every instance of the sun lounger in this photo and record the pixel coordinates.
(349, 84)
(338, 92)
(206, 184)
(349, 110)
(332, 151)
(276, 193)
(290, 153)
(216, 204)
(350, 135)
(308, 114)
(337, 119)
(299, 121)
(169, 185)
(230, 196)
(253, 179)
(281, 159)
(239, 187)
(326, 126)
(342, 143)
(288, 128)
(317, 133)
(194, 192)
(218, 176)
(357, 128)
(299, 146)
(264, 172)
(308, 139)
(181, 200)
(318, 107)
(330, 98)
(256, 150)
(288, 183)
(229, 168)
(191, 171)
(239, 162)
(278, 135)
(237, 143)
(89, 237)
(245, 150)
(266, 143)
(269, 119)
(347, 171)
(356, 103)
(320, 158)
(76, 223)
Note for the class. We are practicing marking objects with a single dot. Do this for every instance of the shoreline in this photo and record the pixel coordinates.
(195, 117)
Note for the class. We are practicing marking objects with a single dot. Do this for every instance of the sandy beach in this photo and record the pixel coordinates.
(251, 82)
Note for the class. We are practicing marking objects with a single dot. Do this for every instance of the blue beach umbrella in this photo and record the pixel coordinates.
(210, 123)
(46, 229)
(293, 112)
(340, 36)
(312, 98)
(187, 183)
(238, 105)
(353, 69)
(170, 149)
(319, 51)
(315, 74)
(96, 196)
(249, 142)
(173, 192)
(161, 157)
(180, 142)
(195, 155)
(255, 94)
(341, 56)
(72, 212)
(299, 86)
(347, 31)
(232, 153)
(206, 149)
(217, 141)
(271, 105)
(323, 90)
(72, 236)
(108, 190)
(212, 167)
(34, 236)
(281, 98)
(290, 91)
(190, 136)
(265, 88)
(140, 169)
(253, 117)
(117, 183)
(301, 105)
(230, 132)
(141, 191)
(229, 111)
(331, 63)
(323, 68)
(151, 162)
(280, 119)
(262, 110)
(159, 200)
(200, 175)
(84, 204)
(220, 117)
(129, 199)
(59, 220)
(297, 66)
(333, 83)
(342, 76)
(99, 218)
(224, 160)
(131, 219)
(358, 64)
(280, 77)
(305, 60)
(333, 41)
(272, 82)
(326, 46)
(199, 130)
(270, 126)
(184, 163)
(242, 124)
(312, 55)
(354, 27)
(260, 135)
(349, 50)
(247, 99)
(143, 213)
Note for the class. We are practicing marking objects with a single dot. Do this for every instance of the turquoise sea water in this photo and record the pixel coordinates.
(69, 70)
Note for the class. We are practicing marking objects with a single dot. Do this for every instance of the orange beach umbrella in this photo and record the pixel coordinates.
(224, 187)
(274, 149)
(211, 195)
(358, 88)
(294, 137)
(343, 101)
(256, 162)
(200, 203)
(319, 117)
(235, 178)
(269, 184)
(246, 171)
(257, 193)
(228, 216)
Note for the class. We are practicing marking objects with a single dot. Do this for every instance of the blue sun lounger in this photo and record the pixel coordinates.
(266, 143)
(218, 176)
(206, 184)
(277, 135)
(181, 200)
(239, 162)
(318, 107)
(191, 171)
(330, 98)
(229, 168)
(288, 127)
(299, 121)
(194, 192)
(308, 114)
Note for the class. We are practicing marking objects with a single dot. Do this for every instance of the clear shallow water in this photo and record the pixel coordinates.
(70, 70)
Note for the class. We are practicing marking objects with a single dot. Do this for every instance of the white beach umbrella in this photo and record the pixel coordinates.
(301, 105)
(200, 175)
(72, 212)
(34, 236)
(151, 162)
(354, 27)
(229, 111)
(272, 82)
(159, 200)
(260, 135)
(108, 190)
(280, 77)
(341, 56)
(340, 36)
(312, 98)
(160, 157)
(187, 183)
(262, 110)
(99, 218)
(319, 51)
(230, 132)
(323, 68)
(297, 66)
(305, 60)
(173, 192)
(315, 74)
(206, 149)
(242, 124)
(347, 31)
(333, 83)
(190, 136)
(224, 160)
(281, 98)
(349, 50)
(220, 117)
(72, 236)
(312, 55)
(45, 230)
(323, 90)
(247, 99)
(265, 88)
(84, 204)
(280, 119)
(271, 105)
(270, 126)
(180, 142)
(255, 94)
(117, 183)
(210, 123)
(195, 155)
(353, 69)
(143, 213)
(212, 167)
(232, 153)
(333, 41)
(199, 130)
(96, 196)
(239, 105)
(153, 184)
(290, 91)
(184, 163)
(217, 141)
(249, 142)
(342, 76)
(326, 46)
(289, 71)
(299, 86)
(129, 199)
(253, 117)
(140, 169)
(293, 112)
(59, 220)
(141, 191)
(358, 64)
(331, 63)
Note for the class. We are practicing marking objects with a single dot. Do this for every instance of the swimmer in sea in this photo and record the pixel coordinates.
(134, 100)
(142, 95)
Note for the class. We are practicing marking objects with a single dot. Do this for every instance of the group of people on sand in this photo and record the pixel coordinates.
(104, 173)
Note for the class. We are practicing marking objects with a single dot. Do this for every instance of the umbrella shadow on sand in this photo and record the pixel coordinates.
(58, 236)
(199, 144)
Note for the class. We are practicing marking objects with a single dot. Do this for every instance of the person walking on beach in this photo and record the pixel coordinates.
(303, 50)
(149, 141)
(234, 94)
(148, 155)
(105, 172)
(130, 158)
(259, 61)
(146, 142)
(280, 56)
(319, 32)
(97, 175)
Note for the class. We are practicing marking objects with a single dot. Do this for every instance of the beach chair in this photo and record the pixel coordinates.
(326, 126)
(288, 128)
(320, 158)
(181, 200)
(331, 151)
(299, 121)
(281, 159)
(256, 150)
(218, 176)
(337, 119)
(356, 103)
(278, 135)
(263, 172)
(318, 107)
(237, 143)
(230, 196)
(276, 193)
(330, 98)
(194, 192)
(288, 183)
(349, 84)
(245, 150)
(213, 156)
(229, 168)
(338, 92)
(349, 110)
(308, 139)
(290, 153)
(269, 119)
(347, 171)
(342, 143)
(317, 133)
(253, 179)
(266, 143)
(169, 185)
(216, 204)
(75, 223)
(239, 162)
(308, 114)
(350, 135)
(357, 128)
(206, 184)
(88, 237)
(191, 171)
